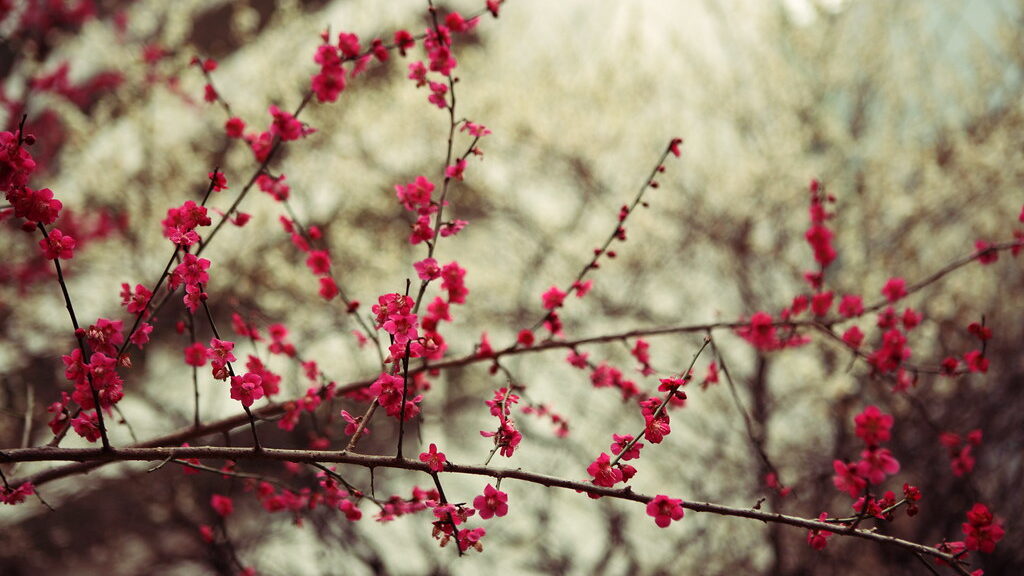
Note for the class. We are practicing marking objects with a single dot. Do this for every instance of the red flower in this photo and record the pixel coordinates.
(427, 269)
(36, 206)
(853, 337)
(760, 332)
(976, 361)
(577, 359)
(328, 288)
(875, 464)
(985, 253)
(873, 426)
(87, 426)
(553, 298)
(455, 171)
(603, 472)
(673, 146)
(851, 306)
(404, 41)
(17, 495)
(457, 23)
(818, 539)
(247, 388)
(58, 245)
(234, 127)
(222, 505)
(195, 355)
(821, 303)
(983, 530)
(620, 444)
(492, 502)
(895, 289)
(665, 510)
(319, 262)
(847, 479)
(435, 460)
(349, 44)
(285, 125)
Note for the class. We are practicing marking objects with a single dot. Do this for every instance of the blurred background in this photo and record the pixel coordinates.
(911, 113)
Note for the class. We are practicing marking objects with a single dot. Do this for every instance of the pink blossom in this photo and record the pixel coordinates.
(456, 170)
(285, 125)
(579, 360)
(620, 443)
(818, 539)
(847, 478)
(821, 303)
(86, 425)
(664, 510)
(674, 145)
(328, 288)
(234, 127)
(982, 529)
(435, 460)
(222, 505)
(553, 298)
(877, 463)
(492, 502)
(319, 262)
(12, 496)
(247, 388)
(427, 269)
(894, 289)
(36, 206)
(195, 355)
(873, 426)
(453, 279)
(58, 245)
(348, 44)
(760, 332)
(218, 181)
(604, 474)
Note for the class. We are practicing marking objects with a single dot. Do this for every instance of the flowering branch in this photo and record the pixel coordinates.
(93, 455)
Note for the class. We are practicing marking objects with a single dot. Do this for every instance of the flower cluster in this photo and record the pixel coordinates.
(388, 390)
(873, 427)
(762, 333)
(641, 351)
(16, 166)
(449, 517)
(416, 196)
(982, 529)
(394, 315)
(330, 81)
(607, 376)
(604, 473)
(98, 376)
(220, 354)
(396, 506)
(507, 437)
(818, 235)
(961, 452)
(558, 420)
(180, 224)
(17, 495)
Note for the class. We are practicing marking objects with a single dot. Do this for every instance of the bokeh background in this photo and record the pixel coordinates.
(911, 113)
